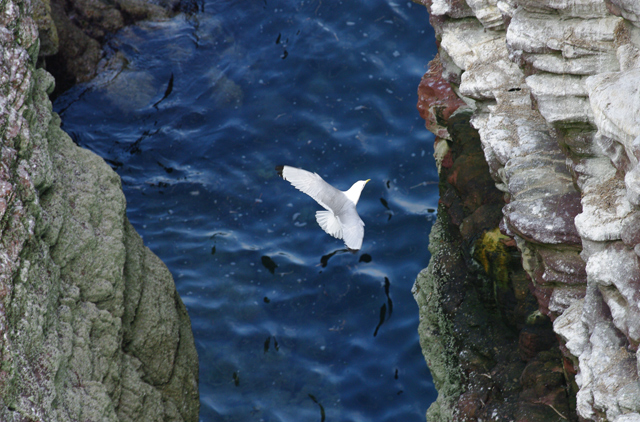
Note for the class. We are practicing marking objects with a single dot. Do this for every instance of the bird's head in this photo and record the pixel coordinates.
(354, 191)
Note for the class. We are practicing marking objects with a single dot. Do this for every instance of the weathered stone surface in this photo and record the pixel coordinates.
(77, 55)
(628, 9)
(454, 8)
(614, 100)
(555, 99)
(546, 220)
(575, 8)
(48, 33)
(556, 44)
(92, 327)
(72, 31)
(561, 99)
(488, 13)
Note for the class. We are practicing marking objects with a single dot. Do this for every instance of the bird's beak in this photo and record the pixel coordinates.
(366, 181)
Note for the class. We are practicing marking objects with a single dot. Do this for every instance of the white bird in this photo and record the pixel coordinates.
(340, 220)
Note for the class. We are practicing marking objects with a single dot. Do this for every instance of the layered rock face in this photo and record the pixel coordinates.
(554, 88)
(92, 326)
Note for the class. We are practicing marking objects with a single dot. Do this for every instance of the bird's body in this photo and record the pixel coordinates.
(340, 220)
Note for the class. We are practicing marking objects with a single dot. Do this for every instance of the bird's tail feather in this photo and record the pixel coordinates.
(329, 223)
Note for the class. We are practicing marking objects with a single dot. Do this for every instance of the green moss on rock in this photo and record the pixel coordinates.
(436, 329)
(93, 328)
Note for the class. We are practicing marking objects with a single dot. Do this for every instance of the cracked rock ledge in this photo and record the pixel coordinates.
(91, 325)
(552, 88)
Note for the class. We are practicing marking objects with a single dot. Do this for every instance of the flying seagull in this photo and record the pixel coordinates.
(340, 220)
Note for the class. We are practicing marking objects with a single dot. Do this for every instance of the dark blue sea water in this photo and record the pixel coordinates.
(288, 325)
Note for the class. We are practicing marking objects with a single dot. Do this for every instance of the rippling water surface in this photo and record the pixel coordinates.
(194, 115)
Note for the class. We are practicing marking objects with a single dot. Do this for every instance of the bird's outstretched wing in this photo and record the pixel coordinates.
(313, 185)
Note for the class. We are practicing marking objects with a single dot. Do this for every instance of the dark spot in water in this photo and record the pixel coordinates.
(267, 343)
(160, 185)
(275, 344)
(236, 379)
(266, 300)
(269, 264)
(386, 205)
(365, 257)
(383, 312)
(284, 54)
(388, 184)
(431, 210)
(169, 170)
(400, 392)
(396, 374)
(134, 148)
(322, 415)
(278, 39)
(213, 250)
(167, 92)
(387, 284)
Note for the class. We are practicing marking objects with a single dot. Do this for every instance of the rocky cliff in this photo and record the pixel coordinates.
(553, 91)
(92, 326)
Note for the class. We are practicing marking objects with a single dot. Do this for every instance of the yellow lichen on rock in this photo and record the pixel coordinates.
(492, 253)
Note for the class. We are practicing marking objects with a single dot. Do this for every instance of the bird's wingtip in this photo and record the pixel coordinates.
(279, 170)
